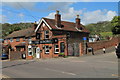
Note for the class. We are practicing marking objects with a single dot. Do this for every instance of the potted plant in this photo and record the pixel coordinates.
(61, 54)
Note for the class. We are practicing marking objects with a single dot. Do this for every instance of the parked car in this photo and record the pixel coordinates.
(4, 56)
(118, 51)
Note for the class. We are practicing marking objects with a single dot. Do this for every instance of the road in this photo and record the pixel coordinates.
(93, 66)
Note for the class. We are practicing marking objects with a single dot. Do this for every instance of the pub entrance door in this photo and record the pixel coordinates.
(38, 52)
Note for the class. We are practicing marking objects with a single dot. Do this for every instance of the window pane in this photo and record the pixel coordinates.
(56, 46)
(46, 36)
(37, 35)
(62, 47)
(47, 46)
(17, 39)
(46, 32)
(57, 50)
(47, 49)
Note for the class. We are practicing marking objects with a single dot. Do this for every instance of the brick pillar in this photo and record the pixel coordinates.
(81, 49)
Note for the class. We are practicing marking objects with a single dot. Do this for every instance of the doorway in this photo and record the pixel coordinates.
(37, 52)
(73, 49)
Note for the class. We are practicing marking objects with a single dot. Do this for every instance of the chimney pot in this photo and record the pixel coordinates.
(77, 21)
(78, 16)
(57, 12)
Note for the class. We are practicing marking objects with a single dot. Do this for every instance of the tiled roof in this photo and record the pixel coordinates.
(67, 26)
(21, 33)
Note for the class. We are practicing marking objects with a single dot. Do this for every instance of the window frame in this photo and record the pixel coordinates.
(11, 39)
(30, 51)
(47, 49)
(24, 39)
(56, 48)
(6, 40)
(17, 39)
(62, 47)
(46, 34)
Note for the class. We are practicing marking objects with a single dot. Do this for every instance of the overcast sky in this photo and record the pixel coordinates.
(90, 12)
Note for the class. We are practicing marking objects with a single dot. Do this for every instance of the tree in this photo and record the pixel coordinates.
(116, 25)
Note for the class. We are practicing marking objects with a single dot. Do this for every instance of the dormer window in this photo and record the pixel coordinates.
(11, 39)
(24, 39)
(6, 40)
(46, 34)
(81, 28)
(17, 39)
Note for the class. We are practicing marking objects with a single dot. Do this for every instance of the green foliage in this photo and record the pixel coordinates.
(116, 25)
(9, 28)
(61, 54)
(105, 34)
(100, 27)
(115, 21)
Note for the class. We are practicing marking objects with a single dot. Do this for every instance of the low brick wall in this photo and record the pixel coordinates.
(100, 44)
(15, 55)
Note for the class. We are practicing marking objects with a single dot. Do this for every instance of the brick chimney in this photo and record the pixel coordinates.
(58, 19)
(77, 22)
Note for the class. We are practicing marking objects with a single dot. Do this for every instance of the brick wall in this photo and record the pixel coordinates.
(14, 43)
(15, 55)
(100, 44)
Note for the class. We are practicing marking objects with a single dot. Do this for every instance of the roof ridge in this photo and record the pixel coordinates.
(61, 20)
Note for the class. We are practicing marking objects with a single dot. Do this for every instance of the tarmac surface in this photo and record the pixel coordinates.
(99, 65)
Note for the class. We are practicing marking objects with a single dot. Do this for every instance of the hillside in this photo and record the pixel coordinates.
(9, 28)
(102, 28)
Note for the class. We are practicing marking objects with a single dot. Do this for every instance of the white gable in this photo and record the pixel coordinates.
(40, 22)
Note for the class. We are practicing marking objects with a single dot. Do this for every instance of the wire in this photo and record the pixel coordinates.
(26, 10)
(16, 12)
(19, 12)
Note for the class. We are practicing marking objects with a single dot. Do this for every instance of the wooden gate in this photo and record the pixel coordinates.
(73, 49)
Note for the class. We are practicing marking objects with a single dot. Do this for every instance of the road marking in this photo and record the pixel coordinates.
(78, 61)
(116, 75)
(108, 61)
(4, 76)
(69, 73)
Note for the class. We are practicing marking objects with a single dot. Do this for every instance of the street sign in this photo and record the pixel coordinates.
(84, 38)
(47, 41)
(54, 40)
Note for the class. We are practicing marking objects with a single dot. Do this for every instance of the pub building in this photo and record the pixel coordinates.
(56, 38)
